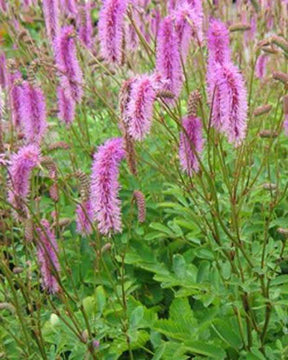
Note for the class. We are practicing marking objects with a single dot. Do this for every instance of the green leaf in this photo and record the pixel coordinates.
(226, 333)
(202, 348)
(136, 316)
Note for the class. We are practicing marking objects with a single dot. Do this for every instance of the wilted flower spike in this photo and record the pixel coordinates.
(140, 106)
(105, 187)
(51, 10)
(71, 79)
(191, 143)
(168, 61)
(22, 163)
(33, 112)
(47, 249)
(84, 218)
(111, 27)
(66, 106)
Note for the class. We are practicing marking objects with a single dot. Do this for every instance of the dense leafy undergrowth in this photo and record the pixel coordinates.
(182, 255)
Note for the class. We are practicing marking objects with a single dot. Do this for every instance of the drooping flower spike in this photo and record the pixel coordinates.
(70, 73)
(84, 218)
(111, 29)
(105, 186)
(33, 112)
(229, 112)
(168, 60)
(191, 143)
(19, 171)
(140, 105)
(47, 249)
(66, 106)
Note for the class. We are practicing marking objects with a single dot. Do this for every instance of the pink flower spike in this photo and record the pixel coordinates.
(33, 112)
(191, 142)
(111, 29)
(105, 187)
(71, 79)
(84, 218)
(231, 102)
(168, 61)
(15, 97)
(51, 10)
(66, 106)
(140, 106)
(21, 166)
(218, 43)
(47, 250)
(84, 25)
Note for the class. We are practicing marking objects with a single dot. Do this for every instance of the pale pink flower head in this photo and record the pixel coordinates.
(15, 97)
(168, 60)
(140, 106)
(47, 250)
(260, 68)
(191, 143)
(33, 112)
(19, 172)
(111, 29)
(71, 78)
(105, 186)
(84, 218)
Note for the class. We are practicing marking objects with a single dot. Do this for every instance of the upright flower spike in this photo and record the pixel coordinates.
(69, 7)
(111, 29)
(47, 250)
(21, 166)
(105, 187)
(3, 71)
(84, 25)
(140, 106)
(33, 112)
(168, 61)
(51, 11)
(191, 143)
(231, 103)
(84, 218)
(218, 43)
(285, 110)
(71, 79)
(219, 53)
(66, 106)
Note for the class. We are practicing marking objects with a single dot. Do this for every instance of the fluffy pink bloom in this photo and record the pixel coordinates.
(66, 106)
(191, 142)
(71, 79)
(230, 103)
(47, 250)
(111, 26)
(84, 25)
(105, 187)
(260, 68)
(218, 43)
(21, 166)
(33, 112)
(84, 218)
(140, 106)
(51, 10)
(168, 61)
